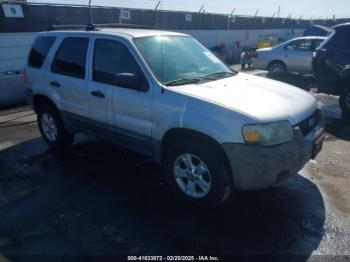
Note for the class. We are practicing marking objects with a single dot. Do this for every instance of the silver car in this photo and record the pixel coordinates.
(166, 96)
(293, 56)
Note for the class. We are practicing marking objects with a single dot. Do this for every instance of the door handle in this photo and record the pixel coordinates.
(55, 84)
(98, 93)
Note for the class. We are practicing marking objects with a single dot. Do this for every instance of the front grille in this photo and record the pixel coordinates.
(309, 123)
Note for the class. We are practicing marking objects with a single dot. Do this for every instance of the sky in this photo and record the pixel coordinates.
(295, 8)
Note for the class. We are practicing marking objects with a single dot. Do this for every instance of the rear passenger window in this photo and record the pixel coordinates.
(70, 58)
(40, 50)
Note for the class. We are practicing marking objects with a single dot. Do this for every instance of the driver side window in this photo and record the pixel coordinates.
(112, 58)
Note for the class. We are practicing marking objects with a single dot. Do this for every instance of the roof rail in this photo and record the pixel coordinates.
(92, 27)
(62, 27)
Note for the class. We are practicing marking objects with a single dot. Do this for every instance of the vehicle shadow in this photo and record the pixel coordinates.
(305, 82)
(124, 192)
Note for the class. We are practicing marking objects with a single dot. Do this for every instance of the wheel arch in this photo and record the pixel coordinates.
(39, 99)
(176, 134)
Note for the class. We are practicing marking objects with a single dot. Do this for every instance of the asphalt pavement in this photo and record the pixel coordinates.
(97, 199)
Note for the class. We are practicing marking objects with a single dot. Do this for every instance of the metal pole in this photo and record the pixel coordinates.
(156, 13)
(199, 17)
(272, 19)
(90, 10)
(256, 13)
(300, 19)
(230, 19)
(279, 11)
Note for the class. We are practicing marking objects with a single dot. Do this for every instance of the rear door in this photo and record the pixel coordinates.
(298, 55)
(68, 77)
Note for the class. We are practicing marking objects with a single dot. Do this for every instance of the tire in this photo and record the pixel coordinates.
(277, 67)
(49, 122)
(218, 177)
(344, 102)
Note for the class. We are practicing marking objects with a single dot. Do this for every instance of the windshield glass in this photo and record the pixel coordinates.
(177, 60)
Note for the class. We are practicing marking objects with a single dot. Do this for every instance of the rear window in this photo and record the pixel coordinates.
(70, 58)
(40, 50)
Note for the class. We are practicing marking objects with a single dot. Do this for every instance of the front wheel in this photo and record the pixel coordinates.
(197, 173)
(52, 129)
(277, 67)
(344, 102)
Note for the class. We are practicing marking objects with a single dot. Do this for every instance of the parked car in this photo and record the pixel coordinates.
(166, 96)
(318, 30)
(293, 56)
(332, 66)
(269, 42)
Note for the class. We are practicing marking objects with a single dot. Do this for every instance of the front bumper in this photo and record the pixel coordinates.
(257, 167)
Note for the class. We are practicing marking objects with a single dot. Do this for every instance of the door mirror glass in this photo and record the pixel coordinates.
(127, 80)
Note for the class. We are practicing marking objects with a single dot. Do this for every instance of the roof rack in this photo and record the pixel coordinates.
(94, 27)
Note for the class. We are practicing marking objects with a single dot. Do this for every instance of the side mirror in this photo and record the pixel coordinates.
(128, 80)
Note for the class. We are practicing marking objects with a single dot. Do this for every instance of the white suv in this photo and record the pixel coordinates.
(166, 96)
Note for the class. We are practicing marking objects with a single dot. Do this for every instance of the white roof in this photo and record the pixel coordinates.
(125, 32)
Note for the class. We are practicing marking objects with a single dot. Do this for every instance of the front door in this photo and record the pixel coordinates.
(129, 109)
(298, 55)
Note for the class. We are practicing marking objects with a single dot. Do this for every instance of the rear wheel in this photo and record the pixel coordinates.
(344, 102)
(197, 173)
(52, 129)
(277, 67)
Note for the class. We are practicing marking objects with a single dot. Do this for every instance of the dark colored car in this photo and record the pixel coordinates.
(331, 66)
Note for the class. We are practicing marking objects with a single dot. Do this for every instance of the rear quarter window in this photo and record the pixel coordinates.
(39, 51)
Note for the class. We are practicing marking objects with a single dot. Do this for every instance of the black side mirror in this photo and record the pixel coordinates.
(128, 80)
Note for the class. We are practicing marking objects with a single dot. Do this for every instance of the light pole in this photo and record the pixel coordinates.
(256, 13)
(273, 15)
(156, 13)
(199, 17)
(90, 10)
(230, 19)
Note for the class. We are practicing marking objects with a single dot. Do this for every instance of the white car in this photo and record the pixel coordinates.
(166, 96)
(293, 56)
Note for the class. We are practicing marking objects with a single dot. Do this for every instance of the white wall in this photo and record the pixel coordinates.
(211, 38)
(14, 49)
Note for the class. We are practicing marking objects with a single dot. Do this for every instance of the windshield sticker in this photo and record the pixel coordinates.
(212, 57)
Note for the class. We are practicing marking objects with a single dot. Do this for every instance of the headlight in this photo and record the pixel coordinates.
(268, 134)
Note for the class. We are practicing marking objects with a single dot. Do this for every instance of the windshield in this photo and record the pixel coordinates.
(177, 60)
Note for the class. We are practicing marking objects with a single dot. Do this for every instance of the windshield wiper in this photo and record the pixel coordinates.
(182, 81)
(219, 75)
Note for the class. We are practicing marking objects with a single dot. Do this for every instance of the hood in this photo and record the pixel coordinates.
(258, 98)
